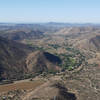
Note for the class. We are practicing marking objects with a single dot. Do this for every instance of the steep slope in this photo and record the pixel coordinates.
(96, 41)
(12, 58)
(42, 61)
(17, 59)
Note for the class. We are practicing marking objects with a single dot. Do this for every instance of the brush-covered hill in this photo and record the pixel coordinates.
(95, 41)
(17, 59)
(43, 61)
(21, 35)
(75, 30)
(12, 58)
(51, 90)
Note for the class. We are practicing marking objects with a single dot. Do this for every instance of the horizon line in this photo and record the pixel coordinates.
(49, 22)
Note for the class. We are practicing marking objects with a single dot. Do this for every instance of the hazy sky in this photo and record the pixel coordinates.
(80, 11)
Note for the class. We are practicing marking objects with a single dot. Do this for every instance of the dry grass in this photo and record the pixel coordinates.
(23, 85)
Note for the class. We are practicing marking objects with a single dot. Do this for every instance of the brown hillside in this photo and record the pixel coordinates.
(96, 41)
(12, 58)
(17, 59)
(20, 35)
(42, 61)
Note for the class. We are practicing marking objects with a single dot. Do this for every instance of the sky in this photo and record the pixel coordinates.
(33, 11)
